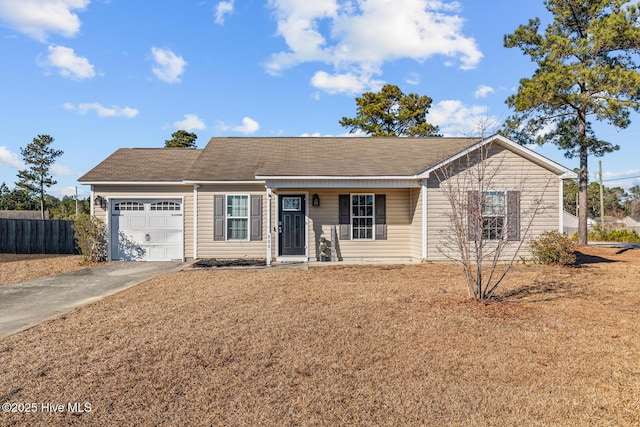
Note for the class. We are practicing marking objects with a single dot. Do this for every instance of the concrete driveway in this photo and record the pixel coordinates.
(26, 304)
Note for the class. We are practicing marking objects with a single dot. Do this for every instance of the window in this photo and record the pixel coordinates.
(165, 206)
(237, 217)
(362, 216)
(128, 206)
(493, 215)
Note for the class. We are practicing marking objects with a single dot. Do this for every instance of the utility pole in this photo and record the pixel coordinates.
(76, 201)
(601, 197)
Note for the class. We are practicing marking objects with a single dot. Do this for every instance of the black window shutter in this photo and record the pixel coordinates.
(474, 225)
(218, 217)
(344, 216)
(381, 217)
(513, 215)
(256, 217)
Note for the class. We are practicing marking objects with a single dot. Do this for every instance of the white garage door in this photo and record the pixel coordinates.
(146, 230)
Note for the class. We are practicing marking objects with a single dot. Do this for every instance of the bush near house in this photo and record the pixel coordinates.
(90, 236)
(553, 248)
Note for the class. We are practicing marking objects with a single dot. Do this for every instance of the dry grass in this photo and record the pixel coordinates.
(396, 345)
(16, 268)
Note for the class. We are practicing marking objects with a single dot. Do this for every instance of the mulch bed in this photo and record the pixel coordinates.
(218, 263)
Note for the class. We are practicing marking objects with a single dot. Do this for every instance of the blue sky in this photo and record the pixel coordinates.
(98, 75)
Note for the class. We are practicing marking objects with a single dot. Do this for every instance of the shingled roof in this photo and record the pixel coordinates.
(144, 165)
(244, 159)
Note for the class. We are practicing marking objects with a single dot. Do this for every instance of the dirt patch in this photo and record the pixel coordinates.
(342, 345)
(16, 268)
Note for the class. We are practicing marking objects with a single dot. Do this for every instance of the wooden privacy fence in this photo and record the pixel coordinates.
(31, 236)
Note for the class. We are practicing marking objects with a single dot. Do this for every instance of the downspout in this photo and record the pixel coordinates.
(195, 221)
(424, 220)
(268, 225)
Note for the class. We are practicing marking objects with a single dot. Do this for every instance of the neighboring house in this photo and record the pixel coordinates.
(570, 223)
(15, 214)
(632, 222)
(276, 198)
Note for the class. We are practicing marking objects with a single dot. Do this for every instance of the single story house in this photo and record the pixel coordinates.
(286, 199)
(570, 223)
(632, 222)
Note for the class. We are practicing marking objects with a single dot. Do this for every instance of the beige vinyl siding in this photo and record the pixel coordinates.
(399, 211)
(232, 249)
(514, 174)
(153, 192)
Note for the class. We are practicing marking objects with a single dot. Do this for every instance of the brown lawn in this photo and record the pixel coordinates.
(347, 345)
(16, 268)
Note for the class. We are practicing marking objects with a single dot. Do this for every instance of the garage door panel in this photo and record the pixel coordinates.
(174, 221)
(173, 237)
(137, 221)
(157, 221)
(147, 232)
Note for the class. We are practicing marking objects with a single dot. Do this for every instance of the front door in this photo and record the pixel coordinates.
(291, 225)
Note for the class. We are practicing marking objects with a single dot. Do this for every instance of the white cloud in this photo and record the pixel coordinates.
(10, 159)
(483, 91)
(612, 176)
(101, 110)
(457, 119)
(68, 63)
(362, 35)
(248, 126)
(69, 190)
(413, 79)
(349, 83)
(169, 67)
(625, 179)
(60, 170)
(191, 122)
(39, 18)
(223, 8)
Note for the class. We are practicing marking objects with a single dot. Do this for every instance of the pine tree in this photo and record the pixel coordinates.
(39, 157)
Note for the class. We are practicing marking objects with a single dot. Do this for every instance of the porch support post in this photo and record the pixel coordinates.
(91, 202)
(109, 231)
(195, 221)
(561, 206)
(269, 227)
(424, 220)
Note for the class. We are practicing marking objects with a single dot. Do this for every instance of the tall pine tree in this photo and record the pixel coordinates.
(586, 68)
(38, 157)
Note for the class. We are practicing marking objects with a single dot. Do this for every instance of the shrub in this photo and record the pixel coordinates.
(90, 237)
(555, 248)
(614, 235)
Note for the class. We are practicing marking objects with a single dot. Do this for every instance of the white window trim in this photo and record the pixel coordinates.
(227, 217)
(505, 215)
(373, 217)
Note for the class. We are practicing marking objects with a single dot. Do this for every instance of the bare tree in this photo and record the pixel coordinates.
(487, 227)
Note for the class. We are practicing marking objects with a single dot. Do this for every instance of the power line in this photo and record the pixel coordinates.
(621, 179)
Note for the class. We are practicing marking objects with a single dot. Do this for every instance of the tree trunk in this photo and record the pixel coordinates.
(583, 179)
(42, 200)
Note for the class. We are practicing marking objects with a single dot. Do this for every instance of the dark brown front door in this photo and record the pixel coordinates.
(291, 225)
